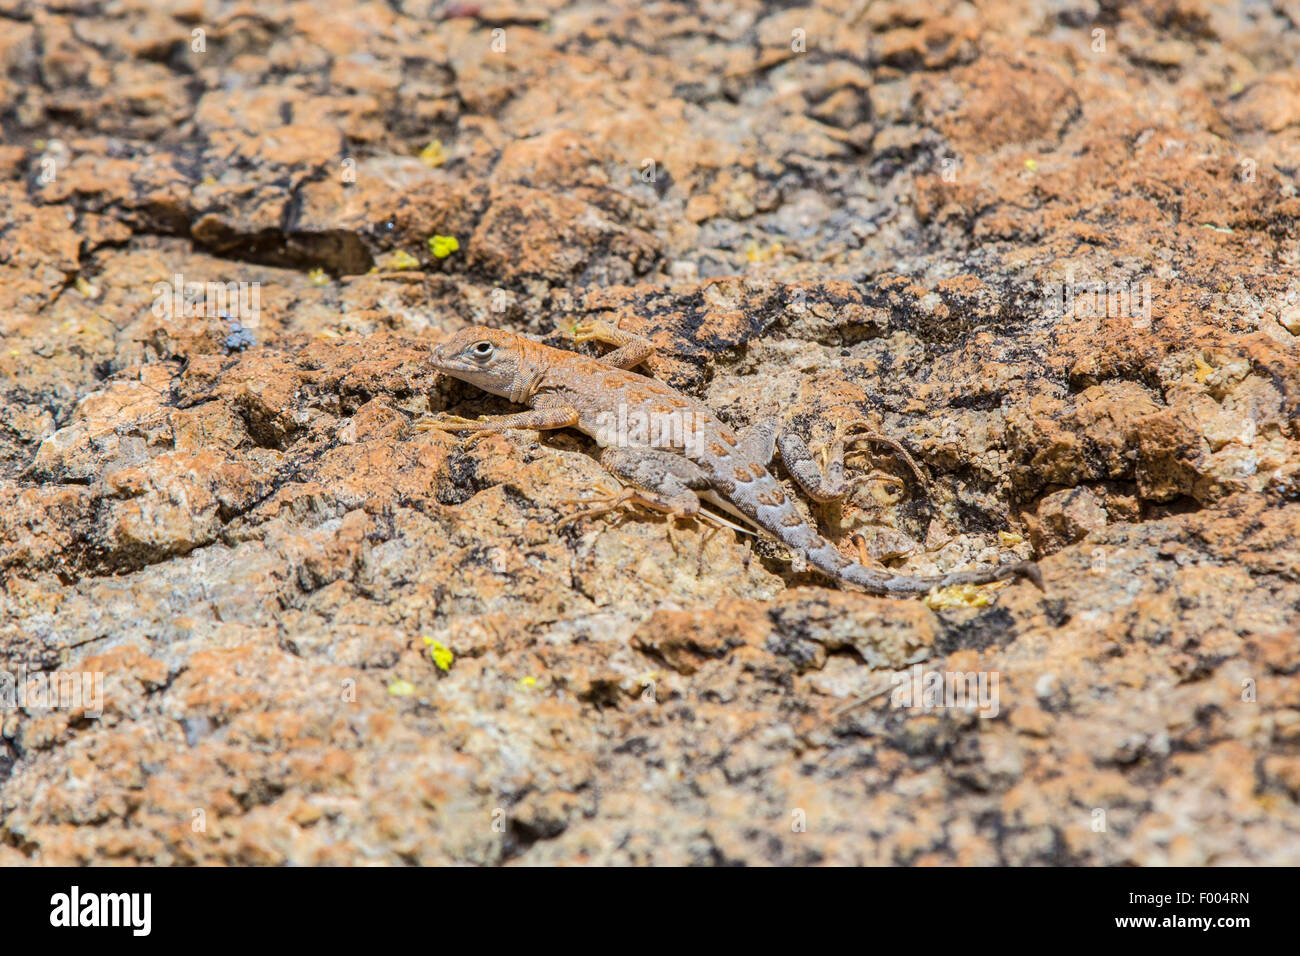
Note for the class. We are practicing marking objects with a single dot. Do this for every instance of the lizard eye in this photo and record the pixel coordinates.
(481, 350)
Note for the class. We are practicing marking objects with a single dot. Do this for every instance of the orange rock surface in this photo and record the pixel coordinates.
(1051, 248)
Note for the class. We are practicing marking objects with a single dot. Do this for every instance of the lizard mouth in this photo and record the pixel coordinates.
(445, 364)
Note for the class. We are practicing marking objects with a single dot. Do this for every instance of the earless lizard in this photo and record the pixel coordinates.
(668, 448)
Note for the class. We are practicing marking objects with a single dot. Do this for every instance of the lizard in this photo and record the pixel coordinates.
(691, 455)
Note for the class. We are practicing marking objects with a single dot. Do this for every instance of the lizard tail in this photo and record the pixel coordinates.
(762, 500)
(880, 581)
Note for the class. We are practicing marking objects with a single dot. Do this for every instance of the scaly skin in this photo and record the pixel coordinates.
(694, 452)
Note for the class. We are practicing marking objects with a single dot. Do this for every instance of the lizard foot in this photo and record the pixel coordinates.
(712, 522)
(596, 506)
(595, 330)
(864, 553)
(446, 423)
(478, 428)
(881, 476)
(704, 543)
(859, 430)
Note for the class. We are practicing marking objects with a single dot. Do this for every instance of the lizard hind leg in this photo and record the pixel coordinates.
(664, 473)
(826, 482)
(603, 503)
(659, 481)
(861, 431)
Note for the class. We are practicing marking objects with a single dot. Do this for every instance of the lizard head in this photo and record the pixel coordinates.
(489, 358)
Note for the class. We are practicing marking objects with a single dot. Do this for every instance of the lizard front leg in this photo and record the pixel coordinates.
(631, 349)
(536, 419)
